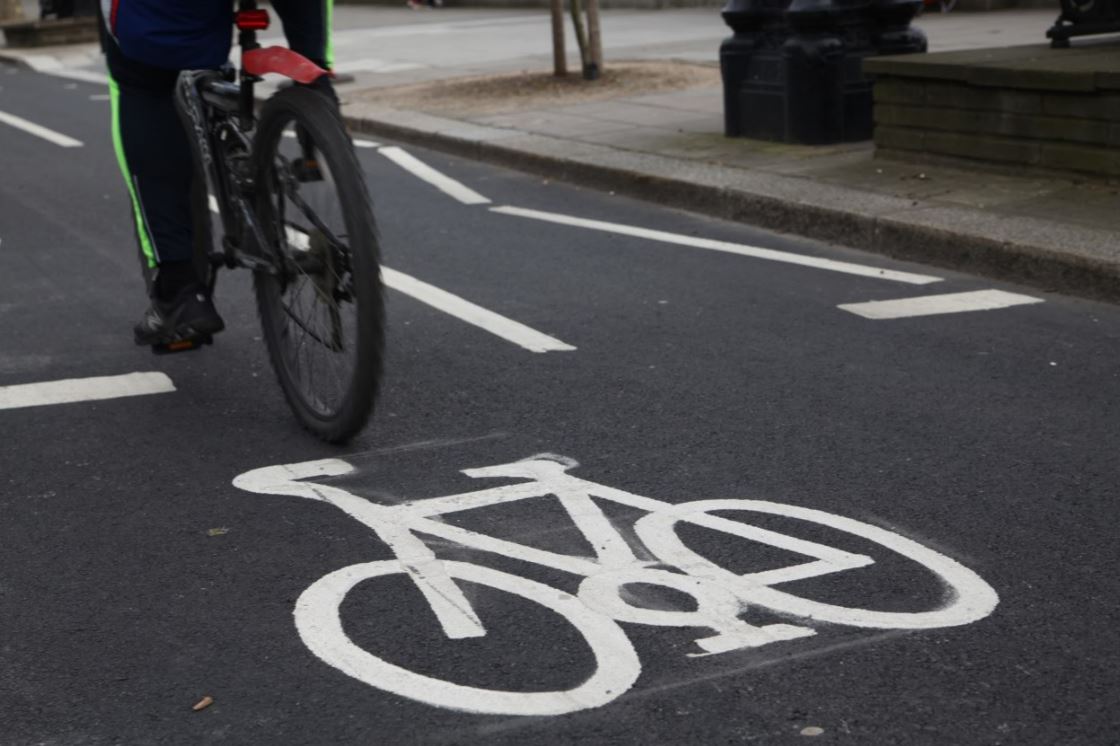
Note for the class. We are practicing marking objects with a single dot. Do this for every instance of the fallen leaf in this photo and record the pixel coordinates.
(217, 532)
(203, 703)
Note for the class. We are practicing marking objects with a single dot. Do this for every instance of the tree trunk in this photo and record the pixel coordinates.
(581, 39)
(595, 40)
(585, 52)
(559, 55)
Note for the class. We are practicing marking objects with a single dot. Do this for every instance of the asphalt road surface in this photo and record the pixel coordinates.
(930, 555)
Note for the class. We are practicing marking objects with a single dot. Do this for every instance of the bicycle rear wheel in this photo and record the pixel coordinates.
(322, 314)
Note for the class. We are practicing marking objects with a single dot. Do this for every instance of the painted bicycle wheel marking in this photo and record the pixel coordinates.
(721, 597)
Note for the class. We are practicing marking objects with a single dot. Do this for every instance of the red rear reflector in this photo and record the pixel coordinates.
(252, 20)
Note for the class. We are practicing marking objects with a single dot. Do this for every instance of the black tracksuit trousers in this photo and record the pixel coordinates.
(155, 158)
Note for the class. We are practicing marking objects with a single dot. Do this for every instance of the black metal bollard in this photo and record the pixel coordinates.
(793, 70)
(751, 68)
(893, 34)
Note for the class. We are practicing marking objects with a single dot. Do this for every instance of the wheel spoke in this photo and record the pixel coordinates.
(314, 305)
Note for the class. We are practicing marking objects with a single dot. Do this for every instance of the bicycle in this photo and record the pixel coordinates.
(720, 596)
(294, 210)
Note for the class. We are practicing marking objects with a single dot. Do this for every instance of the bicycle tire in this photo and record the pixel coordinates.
(319, 624)
(315, 115)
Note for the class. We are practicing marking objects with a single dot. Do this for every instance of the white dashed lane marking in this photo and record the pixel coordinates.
(63, 141)
(933, 305)
(724, 246)
(291, 135)
(444, 183)
(441, 300)
(498, 325)
(83, 389)
(71, 67)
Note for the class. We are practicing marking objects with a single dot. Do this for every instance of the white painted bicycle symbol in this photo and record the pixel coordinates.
(721, 596)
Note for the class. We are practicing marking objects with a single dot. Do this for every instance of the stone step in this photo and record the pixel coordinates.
(1086, 67)
(1029, 107)
(43, 33)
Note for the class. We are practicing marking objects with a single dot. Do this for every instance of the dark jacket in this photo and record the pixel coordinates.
(195, 34)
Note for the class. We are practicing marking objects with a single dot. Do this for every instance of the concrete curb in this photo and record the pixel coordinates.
(1062, 258)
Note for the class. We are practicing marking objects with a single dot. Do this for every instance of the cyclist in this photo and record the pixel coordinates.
(147, 43)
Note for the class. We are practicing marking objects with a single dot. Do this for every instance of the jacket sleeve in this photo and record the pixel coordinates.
(307, 26)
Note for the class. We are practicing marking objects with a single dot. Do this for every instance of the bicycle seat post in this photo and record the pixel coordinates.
(247, 40)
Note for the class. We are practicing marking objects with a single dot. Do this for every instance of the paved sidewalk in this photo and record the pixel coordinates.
(668, 146)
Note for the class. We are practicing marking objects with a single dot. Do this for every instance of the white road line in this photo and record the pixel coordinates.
(725, 246)
(496, 324)
(357, 143)
(507, 329)
(444, 183)
(442, 300)
(39, 131)
(932, 305)
(86, 76)
(69, 67)
(296, 239)
(84, 389)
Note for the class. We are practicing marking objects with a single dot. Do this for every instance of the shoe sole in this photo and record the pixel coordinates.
(185, 333)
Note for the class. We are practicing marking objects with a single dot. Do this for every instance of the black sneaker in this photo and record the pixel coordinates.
(190, 317)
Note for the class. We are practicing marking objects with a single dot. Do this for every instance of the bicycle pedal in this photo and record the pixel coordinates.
(182, 345)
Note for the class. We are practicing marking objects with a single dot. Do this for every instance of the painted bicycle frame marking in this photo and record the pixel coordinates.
(721, 596)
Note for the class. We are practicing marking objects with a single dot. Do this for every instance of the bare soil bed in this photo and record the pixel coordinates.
(497, 94)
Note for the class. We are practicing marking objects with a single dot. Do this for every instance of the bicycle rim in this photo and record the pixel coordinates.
(322, 312)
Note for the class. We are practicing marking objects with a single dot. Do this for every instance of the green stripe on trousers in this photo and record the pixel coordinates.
(146, 243)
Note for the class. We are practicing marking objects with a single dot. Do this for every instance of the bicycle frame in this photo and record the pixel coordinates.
(615, 560)
(218, 109)
(614, 564)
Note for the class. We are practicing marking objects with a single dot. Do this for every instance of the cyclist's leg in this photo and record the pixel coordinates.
(307, 26)
(155, 160)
